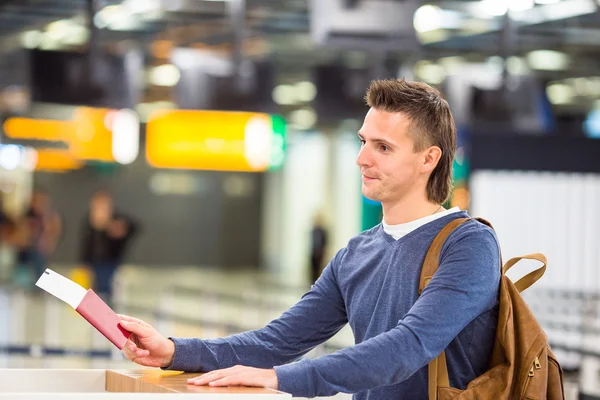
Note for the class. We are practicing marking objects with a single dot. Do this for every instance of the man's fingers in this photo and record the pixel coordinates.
(129, 350)
(132, 319)
(237, 376)
(142, 353)
(141, 331)
(208, 377)
(128, 318)
(132, 352)
(227, 381)
(205, 379)
(233, 376)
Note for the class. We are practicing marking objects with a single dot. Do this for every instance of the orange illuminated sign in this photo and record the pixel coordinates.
(91, 136)
(209, 140)
(87, 134)
(56, 160)
(36, 129)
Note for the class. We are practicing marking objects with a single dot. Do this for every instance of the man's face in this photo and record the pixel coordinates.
(101, 206)
(389, 166)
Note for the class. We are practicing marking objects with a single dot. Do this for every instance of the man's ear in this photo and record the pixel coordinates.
(431, 157)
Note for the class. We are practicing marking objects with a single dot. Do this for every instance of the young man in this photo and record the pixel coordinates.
(408, 142)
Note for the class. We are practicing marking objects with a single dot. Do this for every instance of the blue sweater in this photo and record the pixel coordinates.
(372, 284)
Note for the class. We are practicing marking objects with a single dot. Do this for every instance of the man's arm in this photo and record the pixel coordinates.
(318, 316)
(465, 285)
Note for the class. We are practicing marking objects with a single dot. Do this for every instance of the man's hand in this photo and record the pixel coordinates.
(117, 229)
(146, 346)
(238, 376)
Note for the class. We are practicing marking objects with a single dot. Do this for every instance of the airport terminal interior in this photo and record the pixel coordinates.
(216, 143)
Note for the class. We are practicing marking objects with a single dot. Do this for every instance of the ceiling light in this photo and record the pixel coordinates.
(164, 75)
(520, 5)
(31, 39)
(284, 95)
(303, 119)
(108, 15)
(581, 86)
(546, 1)
(174, 5)
(49, 42)
(142, 6)
(495, 62)
(559, 93)
(305, 91)
(594, 88)
(427, 18)
(430, 73)
(452, 64)
(548, 60)
(117, 17)
(494, 7)
(517, 66)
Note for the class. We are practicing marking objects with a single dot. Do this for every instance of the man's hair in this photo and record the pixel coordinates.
(431, 124)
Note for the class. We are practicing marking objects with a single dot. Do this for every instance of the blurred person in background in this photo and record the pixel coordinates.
(7, 250)
(37, 235)
(7, 245)
(105, 237)
(408, 143)
(318, 245)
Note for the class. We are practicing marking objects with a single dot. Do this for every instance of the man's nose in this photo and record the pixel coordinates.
(364, 158)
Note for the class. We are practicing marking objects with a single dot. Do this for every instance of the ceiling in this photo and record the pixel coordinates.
(282, 30)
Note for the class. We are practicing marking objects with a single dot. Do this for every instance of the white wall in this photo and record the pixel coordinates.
(346, 197)
(552, 213)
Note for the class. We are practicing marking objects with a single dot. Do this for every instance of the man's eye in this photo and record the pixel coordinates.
(362, 142)
(383, 147)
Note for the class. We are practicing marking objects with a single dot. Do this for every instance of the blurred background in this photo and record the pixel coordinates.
(194, 160)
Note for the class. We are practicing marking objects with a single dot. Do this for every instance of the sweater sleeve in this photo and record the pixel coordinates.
(318, 316)
(465, 286)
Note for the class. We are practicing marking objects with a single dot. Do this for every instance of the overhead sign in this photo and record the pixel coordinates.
(56, 160)
(214, 140)
(92, 134)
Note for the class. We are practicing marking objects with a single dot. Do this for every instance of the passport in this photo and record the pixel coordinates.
(87, 303)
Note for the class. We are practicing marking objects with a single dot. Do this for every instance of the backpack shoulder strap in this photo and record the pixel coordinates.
(438, 368)
(431, 263)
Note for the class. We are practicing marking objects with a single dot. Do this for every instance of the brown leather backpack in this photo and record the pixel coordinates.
(522, 366)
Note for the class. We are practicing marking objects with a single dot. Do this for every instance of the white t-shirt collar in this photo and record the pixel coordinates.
(399, 230)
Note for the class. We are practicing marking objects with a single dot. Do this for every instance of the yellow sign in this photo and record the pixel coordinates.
(56, 160)
(209, 140)
(91, 136)
(36, 129)
(88, 134)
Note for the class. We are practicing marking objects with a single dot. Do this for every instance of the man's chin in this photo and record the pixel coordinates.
(371, 196)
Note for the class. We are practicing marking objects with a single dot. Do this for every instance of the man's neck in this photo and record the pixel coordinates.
(408, 210)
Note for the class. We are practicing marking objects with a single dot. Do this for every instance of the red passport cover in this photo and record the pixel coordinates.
(103, 318)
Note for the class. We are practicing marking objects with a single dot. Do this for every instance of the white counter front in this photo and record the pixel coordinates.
(64, 384)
